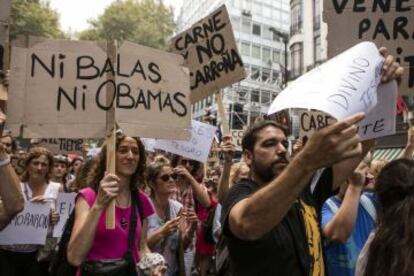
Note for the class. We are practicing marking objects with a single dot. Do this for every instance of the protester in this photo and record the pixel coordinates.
(347, 220)
(205, 247)
(390, 250)
(286, 240)
(189, 192)
(163, 234)
(75, 164)
(92, 247)
(11, 197)
(32, 259)
(60, 171)
(9, 143)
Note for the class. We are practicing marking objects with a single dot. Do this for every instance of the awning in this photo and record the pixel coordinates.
(387, 154)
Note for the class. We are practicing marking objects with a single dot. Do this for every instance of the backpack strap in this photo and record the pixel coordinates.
(368, 206)
(331, 204)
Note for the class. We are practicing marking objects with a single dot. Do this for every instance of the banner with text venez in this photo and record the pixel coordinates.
(59, 90)
(388, 23)
(65, 204)
(211, 53)
(28, 227)
(197, 148)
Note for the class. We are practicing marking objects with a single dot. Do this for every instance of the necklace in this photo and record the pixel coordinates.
(124, 221)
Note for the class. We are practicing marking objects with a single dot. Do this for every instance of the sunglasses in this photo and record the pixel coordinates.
(167, 177)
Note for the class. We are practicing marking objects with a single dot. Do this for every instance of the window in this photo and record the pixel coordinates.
(267, 12)
(297, 59)
(266, 97)
(316, 15)
(235, 22)
(275, 75)
(276, 56)
(317, 49)
(246, 26)
(265, 74)
(255, 73)
(255, 96)
(296, 17)
(245, 49)
(257, 8)
(256, 29)
(266, 54)
(267, 34)
(256, 51)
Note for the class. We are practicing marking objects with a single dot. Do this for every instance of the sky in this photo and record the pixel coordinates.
(74, 14)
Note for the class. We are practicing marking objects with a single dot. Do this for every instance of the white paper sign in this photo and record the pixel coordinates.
(148, 144)
(380, 121)
(64, 206)
(343, 86)
(28, 227)
(197, 148)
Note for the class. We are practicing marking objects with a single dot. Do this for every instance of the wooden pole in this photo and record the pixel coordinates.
(111, 132)
(222, 114)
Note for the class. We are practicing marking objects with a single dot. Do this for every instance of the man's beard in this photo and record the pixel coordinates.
(268, 173)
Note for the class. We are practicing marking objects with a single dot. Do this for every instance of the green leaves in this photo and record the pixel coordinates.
(34, 17)
(146, 22)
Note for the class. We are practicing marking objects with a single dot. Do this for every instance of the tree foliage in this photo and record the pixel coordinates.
(34, 17)
(147, 22)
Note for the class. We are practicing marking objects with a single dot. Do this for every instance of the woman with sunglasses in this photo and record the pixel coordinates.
(163, 234)
(92, 247)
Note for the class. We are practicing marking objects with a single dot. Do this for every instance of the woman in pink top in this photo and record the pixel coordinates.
(90, 240)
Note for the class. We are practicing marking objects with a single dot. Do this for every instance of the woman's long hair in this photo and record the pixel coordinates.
(36, 152)
(392, 250)
(97, 170)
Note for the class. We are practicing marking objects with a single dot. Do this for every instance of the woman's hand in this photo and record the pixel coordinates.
(54, 217)
(183, 172)
(170, 226)
(108, 190)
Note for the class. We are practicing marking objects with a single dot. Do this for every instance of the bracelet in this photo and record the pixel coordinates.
(4, 162)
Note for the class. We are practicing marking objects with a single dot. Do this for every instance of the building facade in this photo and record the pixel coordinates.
(259, 27)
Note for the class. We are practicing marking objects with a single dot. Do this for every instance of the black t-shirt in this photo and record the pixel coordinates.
(293, 247)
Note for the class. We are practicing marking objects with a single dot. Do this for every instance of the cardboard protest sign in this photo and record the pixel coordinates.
(60, 89)
(211, 53)
(154, 102)
(387, 23)
(237, 135)
(341, 87)
(65, 204)
(309, 121)
(197, 148)
(63, 145)
(28, 227)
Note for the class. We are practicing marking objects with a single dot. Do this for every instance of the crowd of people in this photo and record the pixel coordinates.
(326, 208)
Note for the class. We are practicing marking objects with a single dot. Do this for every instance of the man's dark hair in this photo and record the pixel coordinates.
(250, 135)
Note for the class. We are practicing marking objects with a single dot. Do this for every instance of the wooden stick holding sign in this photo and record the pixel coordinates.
(111, 140)
(223, 118)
